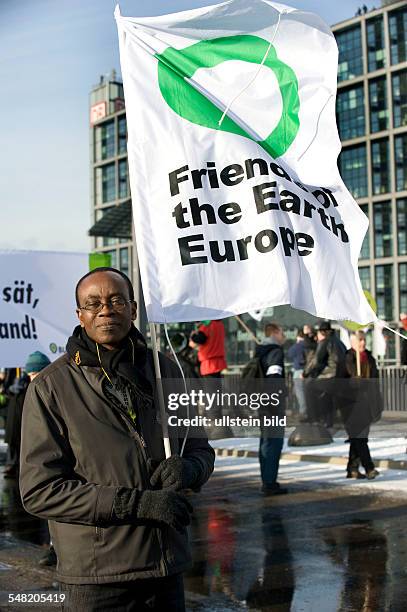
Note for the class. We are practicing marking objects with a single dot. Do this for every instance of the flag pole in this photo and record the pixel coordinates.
(163, 414)
(154, 346)
(249, 331)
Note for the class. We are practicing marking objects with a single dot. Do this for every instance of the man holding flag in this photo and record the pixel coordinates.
(92, 461)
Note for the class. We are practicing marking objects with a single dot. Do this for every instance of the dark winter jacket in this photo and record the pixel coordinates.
(271, 357)
(328, 360)
(78, 449)
(364, 403)
(14, 416)
(296, 353)
(351, 365)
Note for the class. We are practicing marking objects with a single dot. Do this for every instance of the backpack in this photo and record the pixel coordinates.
(252, 369)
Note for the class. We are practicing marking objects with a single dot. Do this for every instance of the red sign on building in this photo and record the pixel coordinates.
(97, 111)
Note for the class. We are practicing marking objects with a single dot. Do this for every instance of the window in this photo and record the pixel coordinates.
(403, 288)
(400, 153)
(104, 141)
(122, 132)
(399, 84)
(105, 184)
(364, 275)
(353, 168)
(398, 36)
(115, 90)
(379, 114)
(383, 245)
(380, 166)
(365, 250)
(350, 53)
(124, 260)
(123, 182)
(376, 58)
(401, 213)
(384, 292)
(113, 258)
(350, 110)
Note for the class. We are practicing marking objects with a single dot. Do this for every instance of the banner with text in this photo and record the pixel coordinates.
(232, 144)
(37, 303)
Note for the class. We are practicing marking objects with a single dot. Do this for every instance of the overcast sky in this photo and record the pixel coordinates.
(51, 54)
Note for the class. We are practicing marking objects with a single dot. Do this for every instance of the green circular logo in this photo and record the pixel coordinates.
(177, 65)
(53, 347)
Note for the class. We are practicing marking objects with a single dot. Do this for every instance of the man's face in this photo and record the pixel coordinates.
(109, 326)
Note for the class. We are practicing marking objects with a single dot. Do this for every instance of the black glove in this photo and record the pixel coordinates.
(162, 506)
(176, 473)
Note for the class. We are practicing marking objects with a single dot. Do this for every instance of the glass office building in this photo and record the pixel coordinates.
(111, 220)
(372, 123)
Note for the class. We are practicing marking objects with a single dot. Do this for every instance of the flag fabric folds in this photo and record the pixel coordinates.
(232, 144)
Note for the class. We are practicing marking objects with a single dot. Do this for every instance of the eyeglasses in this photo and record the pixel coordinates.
(117, 304)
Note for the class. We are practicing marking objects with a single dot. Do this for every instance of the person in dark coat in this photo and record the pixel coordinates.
(326, 365)
(296, 353)
(35, 363)
(12, 435)
(359, 414)
(7, 378)
(93, 461)
(271, 356)
(186, 355)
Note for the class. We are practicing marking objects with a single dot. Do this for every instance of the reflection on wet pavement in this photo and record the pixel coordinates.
(312, 550)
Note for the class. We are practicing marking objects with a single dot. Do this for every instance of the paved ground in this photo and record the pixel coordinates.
(330, 545)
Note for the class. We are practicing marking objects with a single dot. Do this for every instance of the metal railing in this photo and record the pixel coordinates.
(393, 385)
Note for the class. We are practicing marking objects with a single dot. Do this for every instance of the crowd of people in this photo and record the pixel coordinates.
(118, 509)
(322, 370)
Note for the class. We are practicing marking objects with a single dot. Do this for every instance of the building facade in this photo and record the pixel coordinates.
(372, 123)
(111, 219)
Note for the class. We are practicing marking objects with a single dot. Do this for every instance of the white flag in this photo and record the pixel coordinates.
(232, 147)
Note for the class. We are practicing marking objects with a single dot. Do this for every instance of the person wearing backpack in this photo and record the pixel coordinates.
(271, 357)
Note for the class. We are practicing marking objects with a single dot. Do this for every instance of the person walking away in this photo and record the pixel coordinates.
(271, 355)
(296, 354)
(358, 415)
